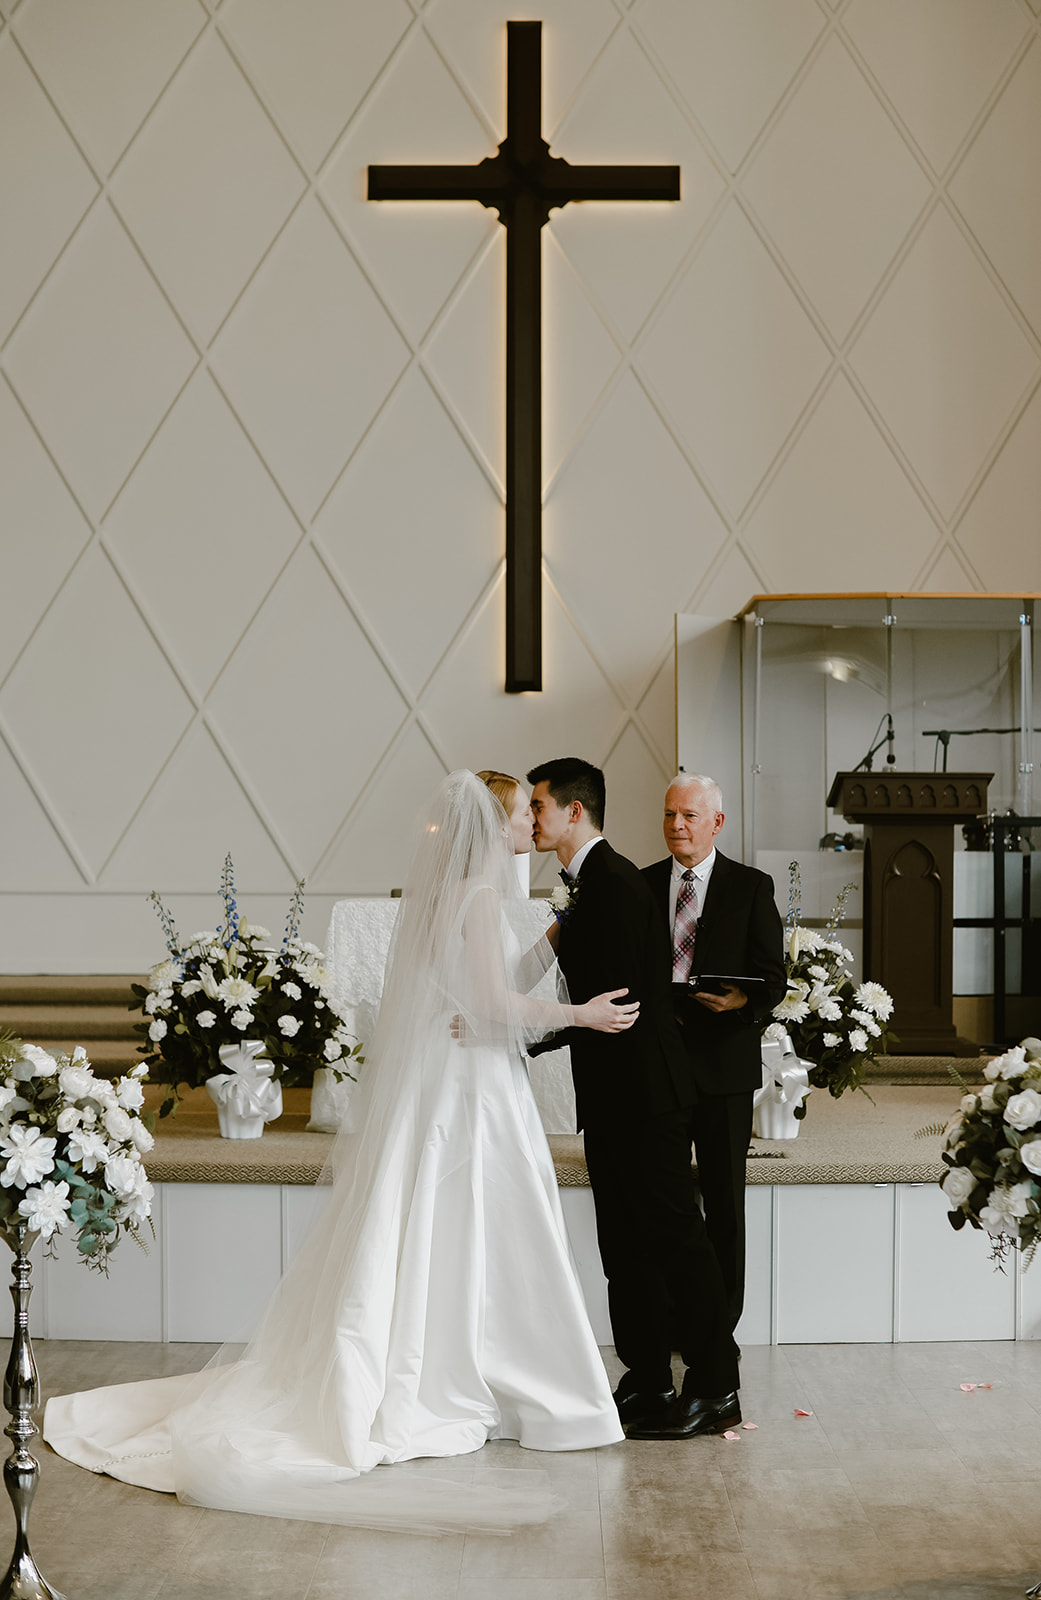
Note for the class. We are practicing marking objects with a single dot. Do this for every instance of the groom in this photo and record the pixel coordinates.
(634, 1093)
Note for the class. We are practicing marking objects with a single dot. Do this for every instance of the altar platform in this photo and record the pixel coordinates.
(848, 1236)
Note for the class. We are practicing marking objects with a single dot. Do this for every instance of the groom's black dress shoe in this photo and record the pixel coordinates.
(690, 1415)
(642, 1405)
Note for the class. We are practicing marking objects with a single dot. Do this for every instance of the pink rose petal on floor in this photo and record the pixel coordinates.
(753, 1427)
(730, 1434)
(967, 1388)
(984, 1386)
(799, 1413)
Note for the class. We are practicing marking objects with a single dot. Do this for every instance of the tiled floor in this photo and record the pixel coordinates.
(900, 1486)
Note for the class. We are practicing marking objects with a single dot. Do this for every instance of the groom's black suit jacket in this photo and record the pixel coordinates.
(739, 932)
(613, 938)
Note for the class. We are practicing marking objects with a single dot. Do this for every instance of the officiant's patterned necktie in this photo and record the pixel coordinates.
(685, 928)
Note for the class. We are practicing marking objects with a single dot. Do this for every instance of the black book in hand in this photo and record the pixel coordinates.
(715, 983)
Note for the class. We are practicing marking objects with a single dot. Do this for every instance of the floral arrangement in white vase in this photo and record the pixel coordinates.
(836, 1024)
(227, 987)
(992, 1151)
(70, 1150)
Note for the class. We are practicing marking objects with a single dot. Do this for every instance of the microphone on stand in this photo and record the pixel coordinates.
(890, 758)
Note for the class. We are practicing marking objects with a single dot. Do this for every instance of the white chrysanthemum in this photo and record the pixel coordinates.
(832, 1040)
(288, 1025)
(157, 1031)
(28, 1156)
(236, 993)
(858, 1041)
(253, 930)
(164, 974)
(206, 1019)
(46, 1209)
(332, 1049)
(292, 991)
(88, 1149)
(208, 936)
(872, 997)
(130, 1094)
(241, 1020)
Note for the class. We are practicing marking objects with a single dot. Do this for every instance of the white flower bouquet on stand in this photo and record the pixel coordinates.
(224, 991)
(992, 1150)
(70, 1159)
(833, 1023)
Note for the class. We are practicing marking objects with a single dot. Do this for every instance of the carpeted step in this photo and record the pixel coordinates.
(72, 990)
(40, 1023)
(921, 1070)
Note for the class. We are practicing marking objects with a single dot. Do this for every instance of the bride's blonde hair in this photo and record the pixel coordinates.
(503, 787)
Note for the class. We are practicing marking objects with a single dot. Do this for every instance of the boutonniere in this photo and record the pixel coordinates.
(563, 900)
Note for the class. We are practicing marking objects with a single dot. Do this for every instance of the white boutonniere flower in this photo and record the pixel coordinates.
(562, 900)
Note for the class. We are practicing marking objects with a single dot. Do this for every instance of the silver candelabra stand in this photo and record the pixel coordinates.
(23, 1580)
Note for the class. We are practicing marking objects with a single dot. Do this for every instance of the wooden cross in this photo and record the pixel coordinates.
(523, 183)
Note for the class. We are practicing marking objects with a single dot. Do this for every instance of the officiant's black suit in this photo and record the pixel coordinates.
(739, 932)
(634, 1094)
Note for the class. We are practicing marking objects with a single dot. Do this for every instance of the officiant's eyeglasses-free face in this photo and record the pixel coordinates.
(690, 825)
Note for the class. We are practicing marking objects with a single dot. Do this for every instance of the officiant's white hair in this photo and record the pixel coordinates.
(710, 788)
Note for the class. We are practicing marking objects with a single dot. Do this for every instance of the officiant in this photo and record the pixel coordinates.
(724, 925)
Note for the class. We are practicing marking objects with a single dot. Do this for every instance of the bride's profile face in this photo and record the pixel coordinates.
(521, 822)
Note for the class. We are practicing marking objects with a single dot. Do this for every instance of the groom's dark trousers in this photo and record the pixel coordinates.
(635, 1095)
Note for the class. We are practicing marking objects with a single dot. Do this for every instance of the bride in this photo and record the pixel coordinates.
(434, 1304)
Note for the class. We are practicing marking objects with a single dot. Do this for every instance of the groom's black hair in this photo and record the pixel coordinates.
(569, 779)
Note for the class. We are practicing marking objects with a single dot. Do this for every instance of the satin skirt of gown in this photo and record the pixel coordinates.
(433, 1306)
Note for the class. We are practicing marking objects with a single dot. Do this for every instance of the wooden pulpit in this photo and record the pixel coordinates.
(909, 820)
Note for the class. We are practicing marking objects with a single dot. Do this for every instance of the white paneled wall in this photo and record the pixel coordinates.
(827, 1264)
(251, 425)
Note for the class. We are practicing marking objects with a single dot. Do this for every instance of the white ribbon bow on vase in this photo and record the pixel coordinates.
(247, 1088)
(786, 1078)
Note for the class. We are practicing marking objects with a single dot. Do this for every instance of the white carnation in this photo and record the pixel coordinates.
(830, 1011)
(858, 1041)
(292, 991)
(332, 1049)
(241, 1020)
(832, 1040)
(157, 1031)
(206, 1019)
(289, 1026)
(193, 986)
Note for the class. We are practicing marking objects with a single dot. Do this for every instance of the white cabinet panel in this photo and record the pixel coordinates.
(947, 1287)
(302, 1205)
(223, 1257)
(128, 1304)
(834, 1264)
(755, 1324)
(1029, 1317)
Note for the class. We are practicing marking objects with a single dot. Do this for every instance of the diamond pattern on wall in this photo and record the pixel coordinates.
(313, 61)
(34, 498)
(936, 61)
(97, 359)
(837, 208)
(401, 571)
(307, 357)
(997, 187)
(756, 353)
(943, 344)
(199, 496)
(416, 93)
(251, 426)
(35, 151)
(304, 664)
(838, 489)
(730, 60)
(189, 179)
(115, 717)
(104, 65)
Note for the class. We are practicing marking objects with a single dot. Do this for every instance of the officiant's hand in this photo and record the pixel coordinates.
(732, 998)
(602, 1015)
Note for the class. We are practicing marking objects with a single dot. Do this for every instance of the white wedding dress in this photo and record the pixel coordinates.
(434, 1305)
